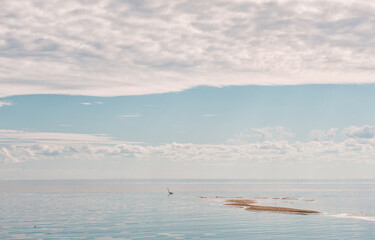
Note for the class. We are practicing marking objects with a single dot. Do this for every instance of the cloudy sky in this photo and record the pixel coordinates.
(187, 89)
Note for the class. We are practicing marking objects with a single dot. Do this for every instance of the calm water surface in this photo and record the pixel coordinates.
(141, 209)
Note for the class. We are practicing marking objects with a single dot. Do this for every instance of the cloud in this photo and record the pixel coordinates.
(131, 115)
(65, 125)
(360, 133)
(363, 132)
(5, 103)
(91, 103)
(26, 138)
(19, 146)
(263, 134)
(208, 115)
(320, 135)
(43, 151)
(114, 47)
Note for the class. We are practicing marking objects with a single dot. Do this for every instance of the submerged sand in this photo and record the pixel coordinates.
(248, 204)
(240, 202)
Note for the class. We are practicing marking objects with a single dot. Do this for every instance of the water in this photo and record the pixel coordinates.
(141, 209)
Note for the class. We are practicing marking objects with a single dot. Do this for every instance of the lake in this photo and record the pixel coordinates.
(142, 209)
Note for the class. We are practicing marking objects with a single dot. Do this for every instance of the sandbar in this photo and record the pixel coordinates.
(248, 204)
(240, 202)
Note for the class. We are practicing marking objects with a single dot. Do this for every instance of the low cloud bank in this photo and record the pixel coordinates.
(352, 144)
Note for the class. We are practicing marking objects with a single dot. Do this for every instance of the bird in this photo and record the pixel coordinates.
(169, 192)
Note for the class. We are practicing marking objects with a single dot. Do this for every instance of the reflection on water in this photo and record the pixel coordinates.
(142, 209)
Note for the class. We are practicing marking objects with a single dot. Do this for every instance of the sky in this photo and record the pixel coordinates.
(187, 89)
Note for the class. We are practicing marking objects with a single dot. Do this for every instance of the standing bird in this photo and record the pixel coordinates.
(169, 192)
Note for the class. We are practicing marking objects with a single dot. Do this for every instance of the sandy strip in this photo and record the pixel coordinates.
(240, 202)
(248, 204)
(279, 209)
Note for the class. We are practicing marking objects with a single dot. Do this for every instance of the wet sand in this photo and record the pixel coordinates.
(248, 204)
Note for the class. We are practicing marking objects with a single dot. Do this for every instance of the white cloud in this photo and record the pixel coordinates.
(91, 103)
(131, 115)
(363, 132)
(208, 115)
(18, 146)
(5, 103)
(113, 47)
(320, 135)
(26, 138)
(263, 134)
